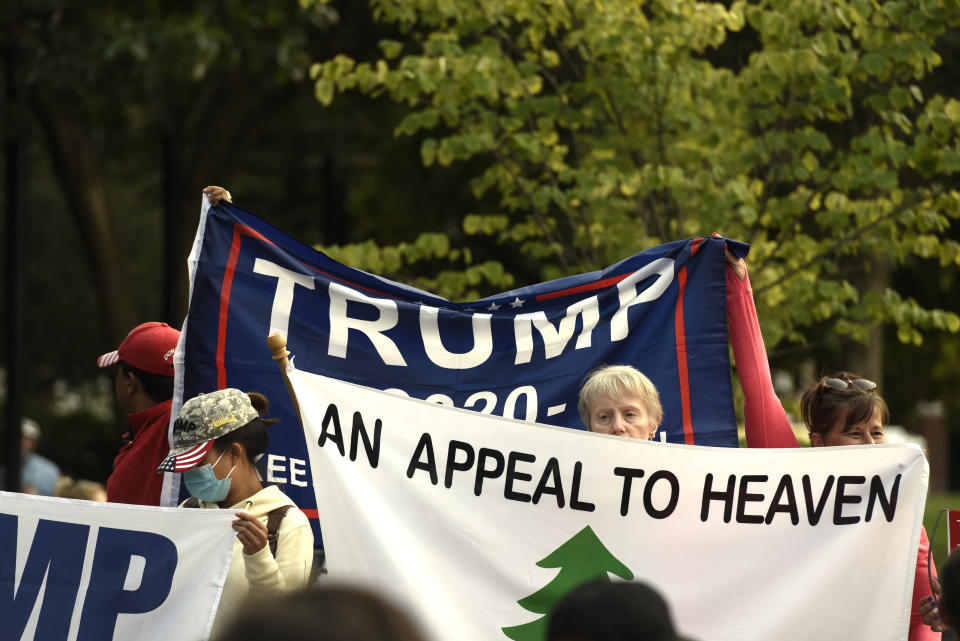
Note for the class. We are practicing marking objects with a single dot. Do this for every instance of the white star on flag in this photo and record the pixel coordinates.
(517, 302)
(493, 307)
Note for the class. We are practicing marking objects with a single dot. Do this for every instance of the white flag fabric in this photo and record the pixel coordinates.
(86, 571)
(478, 523)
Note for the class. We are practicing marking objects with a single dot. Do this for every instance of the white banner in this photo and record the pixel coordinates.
(78, 570)
(478, 523)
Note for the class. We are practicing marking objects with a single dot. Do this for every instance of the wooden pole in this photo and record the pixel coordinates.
(278, 345)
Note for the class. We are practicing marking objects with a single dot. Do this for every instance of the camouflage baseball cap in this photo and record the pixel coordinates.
(201, 421)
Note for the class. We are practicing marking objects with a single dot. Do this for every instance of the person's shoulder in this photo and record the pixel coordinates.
(279, 499)
(296, 524)
(278, 496)
(266, 500)
(45, 465)
(151, 422)
(163, 408)
(298, 516)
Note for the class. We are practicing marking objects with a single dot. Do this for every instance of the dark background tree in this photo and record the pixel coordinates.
(135, 107)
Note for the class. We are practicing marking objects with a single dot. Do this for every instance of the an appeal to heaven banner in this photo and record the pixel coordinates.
(520, 354)
(85, 571)
(479, 527)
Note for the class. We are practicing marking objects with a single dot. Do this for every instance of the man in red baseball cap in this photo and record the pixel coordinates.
(143, 383)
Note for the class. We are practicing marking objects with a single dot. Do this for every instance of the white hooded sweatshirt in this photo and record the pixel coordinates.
(260, 573)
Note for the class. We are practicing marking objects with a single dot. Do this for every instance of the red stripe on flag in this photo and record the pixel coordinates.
(240, 230)
(311, 514)
(681, 337)
(589, 287)
(347, 282)
(606, 282)
(249, 231)
(225, 307)
(252, 233)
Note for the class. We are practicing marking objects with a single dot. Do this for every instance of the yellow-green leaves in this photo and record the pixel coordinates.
(595, 129)
(324, 91)
(391, 48)
(952, 110)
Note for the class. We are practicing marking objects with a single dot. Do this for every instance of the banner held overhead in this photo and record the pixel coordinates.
(520, 354)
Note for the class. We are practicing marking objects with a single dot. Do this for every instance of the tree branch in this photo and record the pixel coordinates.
(836, 246)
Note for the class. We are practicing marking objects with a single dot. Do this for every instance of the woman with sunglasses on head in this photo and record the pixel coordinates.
(843, 409)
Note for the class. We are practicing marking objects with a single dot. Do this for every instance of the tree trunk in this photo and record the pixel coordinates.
(174, 229)
(15, 154)
(81, 179)
(867, 359)
(197, 151)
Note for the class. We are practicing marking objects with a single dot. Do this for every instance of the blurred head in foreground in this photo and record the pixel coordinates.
(949, 601)
(328, 613)
(69, 488)
(599, 610)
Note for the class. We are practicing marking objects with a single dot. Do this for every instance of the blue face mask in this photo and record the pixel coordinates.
(202, 483)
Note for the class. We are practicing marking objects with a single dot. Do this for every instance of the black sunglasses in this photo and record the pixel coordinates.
(841, 384)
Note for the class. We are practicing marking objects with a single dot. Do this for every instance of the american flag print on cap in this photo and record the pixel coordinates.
(202, 420)
(185, 460)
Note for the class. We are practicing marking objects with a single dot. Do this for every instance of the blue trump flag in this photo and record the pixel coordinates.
(520, 354)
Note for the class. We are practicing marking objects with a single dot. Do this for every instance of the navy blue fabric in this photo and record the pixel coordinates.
(499, 384)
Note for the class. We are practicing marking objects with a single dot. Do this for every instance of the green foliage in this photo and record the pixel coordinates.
(167, 45)
(604, 128)
(464, 283)
(112, 90)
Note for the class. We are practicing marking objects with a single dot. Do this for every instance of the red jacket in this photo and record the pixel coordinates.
(135, 479)
(767, 424)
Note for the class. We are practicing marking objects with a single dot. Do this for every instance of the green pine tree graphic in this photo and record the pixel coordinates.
(580, 559)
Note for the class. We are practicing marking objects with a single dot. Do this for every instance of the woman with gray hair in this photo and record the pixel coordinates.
(620, 400)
